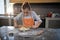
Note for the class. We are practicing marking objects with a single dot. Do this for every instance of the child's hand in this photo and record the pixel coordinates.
(34, 26)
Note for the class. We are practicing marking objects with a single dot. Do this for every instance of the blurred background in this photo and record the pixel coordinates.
(45, 8)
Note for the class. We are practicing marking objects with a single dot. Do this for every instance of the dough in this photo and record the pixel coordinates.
(24, 28)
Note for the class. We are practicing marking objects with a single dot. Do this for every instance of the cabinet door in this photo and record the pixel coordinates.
(34, 1)
(4, 22)
(42, 1)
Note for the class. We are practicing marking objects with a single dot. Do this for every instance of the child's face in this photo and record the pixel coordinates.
(26, 11)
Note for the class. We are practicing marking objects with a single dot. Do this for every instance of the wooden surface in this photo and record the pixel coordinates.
(34, 1)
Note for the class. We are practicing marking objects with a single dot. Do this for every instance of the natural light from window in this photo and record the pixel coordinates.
(1, 6)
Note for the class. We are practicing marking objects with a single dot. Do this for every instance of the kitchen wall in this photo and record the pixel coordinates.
(43, 8)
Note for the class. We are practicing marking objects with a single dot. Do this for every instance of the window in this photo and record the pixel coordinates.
(6, 7)
(1, 6)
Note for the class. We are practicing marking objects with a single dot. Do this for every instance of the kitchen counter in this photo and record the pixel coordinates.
(48, 34)
(6, 17)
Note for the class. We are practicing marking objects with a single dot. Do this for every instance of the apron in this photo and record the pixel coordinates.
(28, 22)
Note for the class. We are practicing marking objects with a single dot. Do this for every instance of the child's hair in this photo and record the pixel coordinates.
(26, 5)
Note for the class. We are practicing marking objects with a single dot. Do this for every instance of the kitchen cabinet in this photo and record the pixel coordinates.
(34, 1)
(4, 21)
(52, 22)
